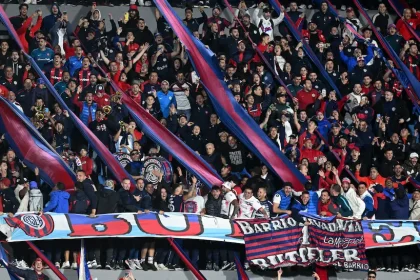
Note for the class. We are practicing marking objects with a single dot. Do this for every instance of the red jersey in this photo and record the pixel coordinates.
(312, 155)
(102, 101)
(403, 29)
(87, 165)
(306, 98)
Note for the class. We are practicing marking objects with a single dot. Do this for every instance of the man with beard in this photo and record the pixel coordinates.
(25, 97)
(182, 90)
(251, 29)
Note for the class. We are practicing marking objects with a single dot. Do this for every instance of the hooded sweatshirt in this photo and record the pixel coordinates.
(23, 207)
(49, 21)
(36, 200)
(59, 202)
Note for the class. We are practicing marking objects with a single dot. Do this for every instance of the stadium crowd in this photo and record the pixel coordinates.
(359, 152)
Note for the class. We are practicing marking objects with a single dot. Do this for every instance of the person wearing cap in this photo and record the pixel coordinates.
(42, 55)
(36, 273)
(356, 203)
(411, 166)
(265, 22)
(230, 204)
(22, 194)
(193, 24)
(394, 39)
(352, 19)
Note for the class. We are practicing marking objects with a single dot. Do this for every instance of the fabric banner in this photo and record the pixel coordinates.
(388, 233)
(31, 148)
(103, 152)
(230, 112)
(30, 226)
(282, 242)
(172, 144)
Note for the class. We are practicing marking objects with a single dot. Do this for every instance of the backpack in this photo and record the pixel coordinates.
(80, 203)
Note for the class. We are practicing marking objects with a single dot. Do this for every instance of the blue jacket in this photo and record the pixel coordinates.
(49, 21)
(368, 200)
(165, 101)
(59, 202)
(73, 64)
(351, 62)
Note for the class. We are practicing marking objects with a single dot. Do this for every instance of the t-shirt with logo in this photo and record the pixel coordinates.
(194, 205)
(248, 207)
(227, 208)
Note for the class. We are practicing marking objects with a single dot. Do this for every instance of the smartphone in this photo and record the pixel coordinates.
(126, 16)
(46, 110)
(64, 13)
(378, 116)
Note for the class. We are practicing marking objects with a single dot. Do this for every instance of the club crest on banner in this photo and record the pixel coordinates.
(32, 224)
(123, 158)
(157, 163)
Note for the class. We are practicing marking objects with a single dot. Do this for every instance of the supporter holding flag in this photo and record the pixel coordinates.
(36, 273)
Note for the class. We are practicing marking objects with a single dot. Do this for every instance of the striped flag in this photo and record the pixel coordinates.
(230, 112)
(82, 267)
(240, 269)
(186, 260)
(259, 245)
(5, 262)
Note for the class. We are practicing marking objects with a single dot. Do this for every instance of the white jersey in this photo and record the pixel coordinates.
(248, 207)
(227, 208)
(266, 25)
(194, 205)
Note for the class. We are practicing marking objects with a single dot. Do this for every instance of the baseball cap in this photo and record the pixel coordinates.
(266, 10)
(414, 155)
(356, 149)
(336, 125)
(40, 81)
(23, 181)
(182, 116)
(228, 185)
(157, 34)
(345, 180)
(33, 185)
(133, 8)
(294, 136)
(241, 41)
(349, 9)
(392, 26)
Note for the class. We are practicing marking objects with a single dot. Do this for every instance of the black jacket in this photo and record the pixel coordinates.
(214, 206)
(88, 188)
(27, 274)
(10, 202)
(108, 201)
